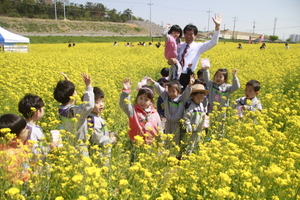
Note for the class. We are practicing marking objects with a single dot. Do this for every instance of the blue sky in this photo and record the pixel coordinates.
(262, 12)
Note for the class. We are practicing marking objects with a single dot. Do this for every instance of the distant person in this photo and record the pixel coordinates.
(263, 46)
(158, 45)
(287, 46)
(116, 44)
(74, 43)
(190, 51)
(150, 44)
(69, 44)
(240, 46)
(172, 37)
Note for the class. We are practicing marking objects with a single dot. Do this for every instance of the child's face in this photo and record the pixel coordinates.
(175, 34)
(40, 113)
(99, 106)
(143, 101)
(173, 92)
(198, 97)
(249, 92)
(219, 78)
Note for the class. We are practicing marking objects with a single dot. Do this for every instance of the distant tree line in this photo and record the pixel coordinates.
(46, 10)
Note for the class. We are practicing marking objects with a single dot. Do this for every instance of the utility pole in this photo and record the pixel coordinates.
(150, 4)
(209, 11)
(55, 11)
(65, 10)
(253, 27)
(234, 20)
(274, 26)
(131, 14)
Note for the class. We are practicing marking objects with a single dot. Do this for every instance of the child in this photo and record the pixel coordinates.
(62, 93)
(174, 103)
(160, 103)
(101, 136)
(219, 90)
(32, 108)
(194, 115)
(164, 72)
(251, 90)
(143, 117)
(172, 46)
(14, 158)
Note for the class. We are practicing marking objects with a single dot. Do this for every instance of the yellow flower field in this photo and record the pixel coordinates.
(258, 158)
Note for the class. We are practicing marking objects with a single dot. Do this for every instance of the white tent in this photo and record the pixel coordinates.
(13, 42)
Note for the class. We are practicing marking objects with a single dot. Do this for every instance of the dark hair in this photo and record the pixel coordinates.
(164, 72)
(14, 122)
(146, 89)
(199, 81)
(30, 101)
(255, 84)
(224, 72)
(63, 91)
(175, 28)
(176, 84)
(190, 27)
(200, 72)
(162, 81)
(99, 94)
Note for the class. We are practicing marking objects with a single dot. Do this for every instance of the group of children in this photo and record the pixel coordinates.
(32, 108)
(179, 112)
(191, 105)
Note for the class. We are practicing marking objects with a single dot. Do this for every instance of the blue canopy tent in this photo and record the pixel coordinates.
(12, 42)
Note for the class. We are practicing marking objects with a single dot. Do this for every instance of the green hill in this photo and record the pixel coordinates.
(30, 26)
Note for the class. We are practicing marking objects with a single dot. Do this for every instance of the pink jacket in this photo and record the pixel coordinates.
(171, 47)
(140, 122)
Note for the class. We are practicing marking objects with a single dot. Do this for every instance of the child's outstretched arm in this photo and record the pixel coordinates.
(235, 82)
(206, 77)
(125, 98)
(188, 90)
(87, 80)
(161, 91)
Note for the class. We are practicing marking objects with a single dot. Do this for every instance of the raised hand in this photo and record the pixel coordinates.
(65, 76)
(150, 80)
(217, 19)
(234, 72)
(87, 80)
(192, 80)
(126, 84)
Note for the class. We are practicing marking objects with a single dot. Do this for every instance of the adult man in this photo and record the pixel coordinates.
(191, 51)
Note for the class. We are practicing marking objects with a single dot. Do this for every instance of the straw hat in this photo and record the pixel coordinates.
(199, 88)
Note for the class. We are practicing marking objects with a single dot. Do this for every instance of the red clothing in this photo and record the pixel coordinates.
(144, 123)
(13, 158)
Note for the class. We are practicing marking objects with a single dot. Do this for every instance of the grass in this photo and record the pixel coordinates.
(91, 39)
